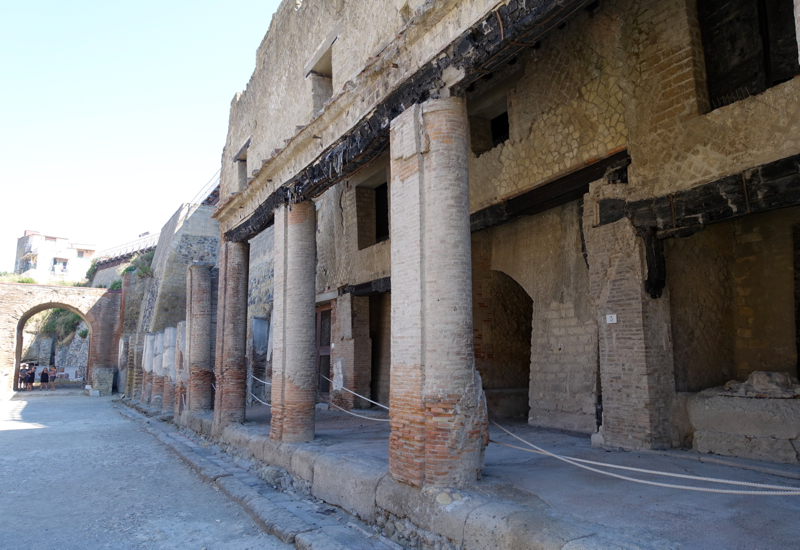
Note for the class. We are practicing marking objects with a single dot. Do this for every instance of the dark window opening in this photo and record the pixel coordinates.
(749, 46)
(381, 213)
(324, 351)
(500, 129)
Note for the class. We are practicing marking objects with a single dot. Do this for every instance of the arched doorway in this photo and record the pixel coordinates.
(45, 359)
(502, 321)
(99, 308)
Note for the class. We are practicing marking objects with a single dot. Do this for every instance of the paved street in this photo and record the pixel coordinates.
(74, 473)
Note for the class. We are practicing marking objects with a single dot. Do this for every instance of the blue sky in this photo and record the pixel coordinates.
(114, 113)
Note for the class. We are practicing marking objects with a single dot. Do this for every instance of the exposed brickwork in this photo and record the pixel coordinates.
(294, 325)
(200, 395)
(135, 352)
(636, 364)
(352, 350)
(230, 365)
(99, 307)
(439, 428)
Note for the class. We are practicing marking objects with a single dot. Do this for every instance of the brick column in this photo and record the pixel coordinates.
(122, 364)
(230, 364)
(351, 356)
(200, 394)
(294, 324)
(438, 409)
(135, 350)
(636, 364)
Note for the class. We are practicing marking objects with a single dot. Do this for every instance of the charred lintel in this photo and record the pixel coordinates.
(656, 263)
(561, 191)
(260, 219)
(378, 286)
(766, 187)
(485, 47)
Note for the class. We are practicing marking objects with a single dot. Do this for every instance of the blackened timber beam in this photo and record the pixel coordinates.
(260, 219)
(378, 286)
(481, 49)
(555, 193)
(759, 189)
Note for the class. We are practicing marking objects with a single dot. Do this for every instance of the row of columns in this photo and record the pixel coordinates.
(438, 410)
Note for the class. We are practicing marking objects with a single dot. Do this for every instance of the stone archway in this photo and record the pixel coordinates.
(100, 308)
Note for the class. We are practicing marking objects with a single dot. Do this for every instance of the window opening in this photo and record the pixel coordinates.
(749, 47)
(500, 129)
(324, 349)
(381, 213)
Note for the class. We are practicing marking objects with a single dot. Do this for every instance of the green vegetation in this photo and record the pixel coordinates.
(84, 333)
(142, 264)
(60, 322)
(129, 269)
(116, 285)
(92, 269)
(6, 277)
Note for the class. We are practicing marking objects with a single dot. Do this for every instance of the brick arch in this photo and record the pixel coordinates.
(100, 308)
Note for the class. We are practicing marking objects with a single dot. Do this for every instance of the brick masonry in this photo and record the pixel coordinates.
(351, 355)
(99, 307)
(294, 325)
(438, 418)
(200, 394)
(230, 367)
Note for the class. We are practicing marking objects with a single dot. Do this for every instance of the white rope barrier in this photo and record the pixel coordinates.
(357, 394)
(359, 415)
(183, 398)
(260, 380)
(213, 386)
(780, 490)
(262, 402)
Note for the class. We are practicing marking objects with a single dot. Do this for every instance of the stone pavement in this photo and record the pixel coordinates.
(278, 504)
(564, 500)
(74, 474)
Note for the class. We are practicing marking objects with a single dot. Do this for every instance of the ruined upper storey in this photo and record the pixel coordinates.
(580, 81)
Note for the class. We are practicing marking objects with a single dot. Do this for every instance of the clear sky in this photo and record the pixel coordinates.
(114, 113)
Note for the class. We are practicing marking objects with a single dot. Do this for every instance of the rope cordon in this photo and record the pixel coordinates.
(357, 394)
(257, 399)
(359, 415)
(260, 380)
(777, 489)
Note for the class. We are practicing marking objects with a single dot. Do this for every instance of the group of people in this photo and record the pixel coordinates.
(47, 378)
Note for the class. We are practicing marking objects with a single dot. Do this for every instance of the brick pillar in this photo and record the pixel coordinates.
(230, 365)
(122, 364)
(200, 394)
(351, 356)
(636, 364)
(135, 350)
(439, 421)
(294, 328)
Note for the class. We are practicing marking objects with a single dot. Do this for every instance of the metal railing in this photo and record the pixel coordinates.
(142, 243)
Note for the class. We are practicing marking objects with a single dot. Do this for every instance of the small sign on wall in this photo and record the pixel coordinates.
(611, 319)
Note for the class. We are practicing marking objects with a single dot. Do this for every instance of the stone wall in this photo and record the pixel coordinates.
(259, 301)
(191, 235)
(107, 274)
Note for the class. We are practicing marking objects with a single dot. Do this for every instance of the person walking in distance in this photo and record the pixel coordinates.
(44, 377)
(30, 378)
(53, 376)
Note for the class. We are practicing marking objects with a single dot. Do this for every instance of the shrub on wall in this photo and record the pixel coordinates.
(84, 333)
(116, 285)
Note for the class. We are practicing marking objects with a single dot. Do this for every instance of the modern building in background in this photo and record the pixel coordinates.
(51, 259)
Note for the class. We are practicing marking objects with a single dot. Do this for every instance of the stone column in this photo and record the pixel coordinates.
(294, 329)
(147, 367)
(168, 367)
(135, 351)
(181, 376)
(122, 365)
(636, 363)
(438, 418)
(157, 393)
(200, 393)
(230, 365)
(797, 24)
